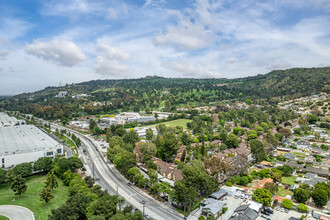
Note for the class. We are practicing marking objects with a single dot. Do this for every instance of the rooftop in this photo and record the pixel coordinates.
(24, 139)
(6, 120)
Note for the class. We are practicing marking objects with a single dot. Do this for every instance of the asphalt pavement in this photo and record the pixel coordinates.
(14, 212)
(115, 183)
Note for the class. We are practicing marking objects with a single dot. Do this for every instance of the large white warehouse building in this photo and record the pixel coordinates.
(25, 143)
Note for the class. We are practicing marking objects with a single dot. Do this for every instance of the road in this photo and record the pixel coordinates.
(115, 183)
(14, 212)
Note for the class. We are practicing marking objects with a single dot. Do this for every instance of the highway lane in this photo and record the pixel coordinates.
(115, 182)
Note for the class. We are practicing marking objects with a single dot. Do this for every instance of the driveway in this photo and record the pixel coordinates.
(14, 212)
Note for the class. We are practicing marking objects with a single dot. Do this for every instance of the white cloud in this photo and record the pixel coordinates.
(108, 63)
(112, 68)
(187, 69)
(64, 53)
(154, 3)
(3, 54)
(117, 11)
(111, 52)
(12, 28)
(186, 35)
(72, 9)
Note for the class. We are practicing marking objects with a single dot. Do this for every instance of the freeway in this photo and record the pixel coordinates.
(115, 183)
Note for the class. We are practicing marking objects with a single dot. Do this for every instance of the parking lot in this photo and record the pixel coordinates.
(232, 204)
(282, 215)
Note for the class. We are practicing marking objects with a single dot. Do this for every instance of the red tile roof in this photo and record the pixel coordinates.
(262, 183)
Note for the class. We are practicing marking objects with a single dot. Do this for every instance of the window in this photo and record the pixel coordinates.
(49, 153)
(59, 151)
(3, 160)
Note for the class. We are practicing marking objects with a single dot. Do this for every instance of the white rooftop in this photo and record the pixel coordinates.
(24, 139)
(6, 120)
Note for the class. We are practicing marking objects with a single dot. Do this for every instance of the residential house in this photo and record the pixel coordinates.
(262, 183)
(289, 156)
(213, 208)
(167, 170)
(180, 152)
(218, 194)
(244, 212)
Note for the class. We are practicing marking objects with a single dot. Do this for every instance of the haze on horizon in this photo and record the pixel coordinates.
(45, 42)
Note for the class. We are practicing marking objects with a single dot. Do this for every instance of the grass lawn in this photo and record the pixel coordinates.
(283, 192)
(299, 154)
(289, 180)
(3, 217)
(31, 200)
(181, 122)
(279, 152)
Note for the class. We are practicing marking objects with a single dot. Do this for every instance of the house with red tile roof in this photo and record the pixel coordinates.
(262, 183)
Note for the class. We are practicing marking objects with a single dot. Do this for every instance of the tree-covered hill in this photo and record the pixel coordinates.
(151, 93)
(291, 82)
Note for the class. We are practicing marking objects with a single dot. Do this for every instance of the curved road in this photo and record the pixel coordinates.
(115, 182)
(14, 212)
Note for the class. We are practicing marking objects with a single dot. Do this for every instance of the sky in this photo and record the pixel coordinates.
(54, 42)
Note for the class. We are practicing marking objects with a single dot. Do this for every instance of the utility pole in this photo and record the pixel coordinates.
(93, 172)
(143, 205)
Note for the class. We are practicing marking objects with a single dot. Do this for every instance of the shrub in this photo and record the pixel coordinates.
(287, 203)
(302, 207)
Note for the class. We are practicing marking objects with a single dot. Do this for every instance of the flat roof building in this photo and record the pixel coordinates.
(6, 120)
(25, 143)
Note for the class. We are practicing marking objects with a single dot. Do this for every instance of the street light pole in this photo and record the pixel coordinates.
(93, 172)
(143, 205)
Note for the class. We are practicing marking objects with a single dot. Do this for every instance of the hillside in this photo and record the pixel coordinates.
(151, 93)
(291, 82)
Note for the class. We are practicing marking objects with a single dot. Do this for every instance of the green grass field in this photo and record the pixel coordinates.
(31, 200)
(288, 180)
(3, 218)
(283, 192)
(181, 122)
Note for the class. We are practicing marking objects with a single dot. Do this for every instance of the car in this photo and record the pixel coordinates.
(264, 216)
(286, 210)
(293, 218)
(242, 196)
(278, 208)
(264, 212)
(286, 187)
(282, 209)
(291, 187)
(128, 184)
(269, 211)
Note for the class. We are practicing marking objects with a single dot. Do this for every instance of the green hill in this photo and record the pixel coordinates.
(151, 93)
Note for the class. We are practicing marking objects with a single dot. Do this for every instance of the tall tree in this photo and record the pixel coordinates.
(51, 180)
(232, 141)
(46, 194)
(263, 196)
(184, 195)
(257, 150)
(149, 134)
(19, 186)
(43, 164)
